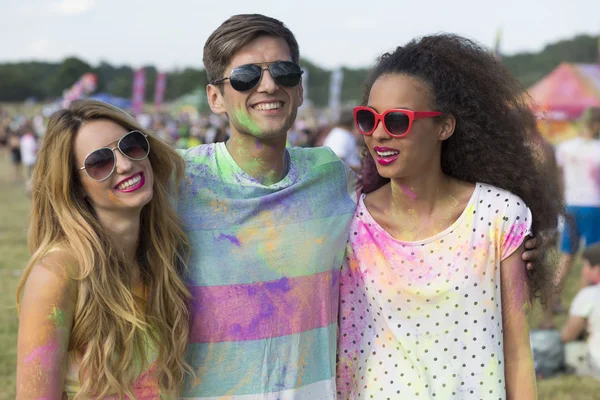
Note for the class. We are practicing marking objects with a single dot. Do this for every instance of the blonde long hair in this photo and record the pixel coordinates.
(106, 320)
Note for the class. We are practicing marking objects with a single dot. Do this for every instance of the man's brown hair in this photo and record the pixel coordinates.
(592, 254)
(235, 33)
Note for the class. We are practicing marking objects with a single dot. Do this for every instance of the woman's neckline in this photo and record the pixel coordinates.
(372, 222)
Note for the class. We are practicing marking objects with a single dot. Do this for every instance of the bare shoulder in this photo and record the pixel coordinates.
(54, 272)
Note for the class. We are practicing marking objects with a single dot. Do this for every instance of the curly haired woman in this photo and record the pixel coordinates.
(434, 295)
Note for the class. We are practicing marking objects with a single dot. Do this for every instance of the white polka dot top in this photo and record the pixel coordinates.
(423, 320)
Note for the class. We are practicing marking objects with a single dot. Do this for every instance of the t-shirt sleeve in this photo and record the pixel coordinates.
(350, 176)
(583, 303)
(352, 183)
(516, 225)
(173, 185)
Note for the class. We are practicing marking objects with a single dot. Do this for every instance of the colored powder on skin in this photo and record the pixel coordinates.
(245, 121)
(411, 195)
(45, 354)
(112, 197)
(57, 316)
(258, 167)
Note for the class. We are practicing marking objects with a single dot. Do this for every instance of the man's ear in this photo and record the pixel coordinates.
(447, 126)
(215, 99)
(300, 93)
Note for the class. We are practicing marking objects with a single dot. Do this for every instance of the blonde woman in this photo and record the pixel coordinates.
(103, 307)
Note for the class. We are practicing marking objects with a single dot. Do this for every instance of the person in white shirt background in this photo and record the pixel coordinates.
(342, 139)
(578, 160)
(28, 147)
(585, 313)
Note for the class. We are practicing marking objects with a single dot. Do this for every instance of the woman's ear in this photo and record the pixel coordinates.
(447, 126)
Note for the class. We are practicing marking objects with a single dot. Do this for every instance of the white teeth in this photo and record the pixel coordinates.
(387, 153)
(130, 182)
(268, 106)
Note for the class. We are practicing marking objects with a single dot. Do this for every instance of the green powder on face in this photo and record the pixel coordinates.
(245, 121)
(57, 316)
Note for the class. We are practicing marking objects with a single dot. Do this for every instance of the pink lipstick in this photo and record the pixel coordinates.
(386, 155)
(131, 184)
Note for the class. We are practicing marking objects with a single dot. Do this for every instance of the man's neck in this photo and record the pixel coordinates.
(265, 161)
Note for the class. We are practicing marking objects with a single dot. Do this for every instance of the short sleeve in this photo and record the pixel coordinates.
(583, 303)
(352, 183)
(516, 225)
(351, 177)
(173, 185)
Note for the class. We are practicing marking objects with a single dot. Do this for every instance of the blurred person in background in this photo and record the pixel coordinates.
(584, 318)
(161, 130)
(28, 147)
(14, 146)
(103, 307)
(4, 128)
(578, 162)
(343, 139)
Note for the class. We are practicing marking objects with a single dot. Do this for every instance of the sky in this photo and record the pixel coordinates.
(331, 33)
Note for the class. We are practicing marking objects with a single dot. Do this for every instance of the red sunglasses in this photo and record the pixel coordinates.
(396, 122)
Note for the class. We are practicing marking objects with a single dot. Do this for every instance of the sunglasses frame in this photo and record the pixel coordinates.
(115, 156)
(412, 115)
(262, 70)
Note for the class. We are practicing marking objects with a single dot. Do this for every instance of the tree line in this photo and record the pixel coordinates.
(44, 80)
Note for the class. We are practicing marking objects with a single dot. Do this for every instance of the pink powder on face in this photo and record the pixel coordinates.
(45, 354)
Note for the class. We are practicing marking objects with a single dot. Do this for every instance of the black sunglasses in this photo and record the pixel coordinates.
(245, 77)
(100, 164)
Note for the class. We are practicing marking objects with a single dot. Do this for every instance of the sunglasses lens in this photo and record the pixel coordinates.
(134, 145)
(245, 77)
(365, 121)
(397, 123)
(99, 164)
(286, 73)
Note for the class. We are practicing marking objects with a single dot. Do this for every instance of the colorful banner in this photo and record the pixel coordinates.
(80, 89)
(139, 90)
(159, 90)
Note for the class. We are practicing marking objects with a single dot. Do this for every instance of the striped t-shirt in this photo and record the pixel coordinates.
(264, 274)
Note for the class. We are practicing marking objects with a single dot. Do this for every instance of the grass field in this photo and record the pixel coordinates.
(14, 211)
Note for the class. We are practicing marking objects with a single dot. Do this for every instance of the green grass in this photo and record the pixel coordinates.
(14, 212)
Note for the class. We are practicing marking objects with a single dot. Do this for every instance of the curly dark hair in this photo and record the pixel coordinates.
(496, 140)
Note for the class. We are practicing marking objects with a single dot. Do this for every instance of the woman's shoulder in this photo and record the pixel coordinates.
(59, 265)
(52, 278)
(490, 194)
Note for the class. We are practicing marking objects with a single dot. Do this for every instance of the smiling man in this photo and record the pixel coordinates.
(268, 227)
